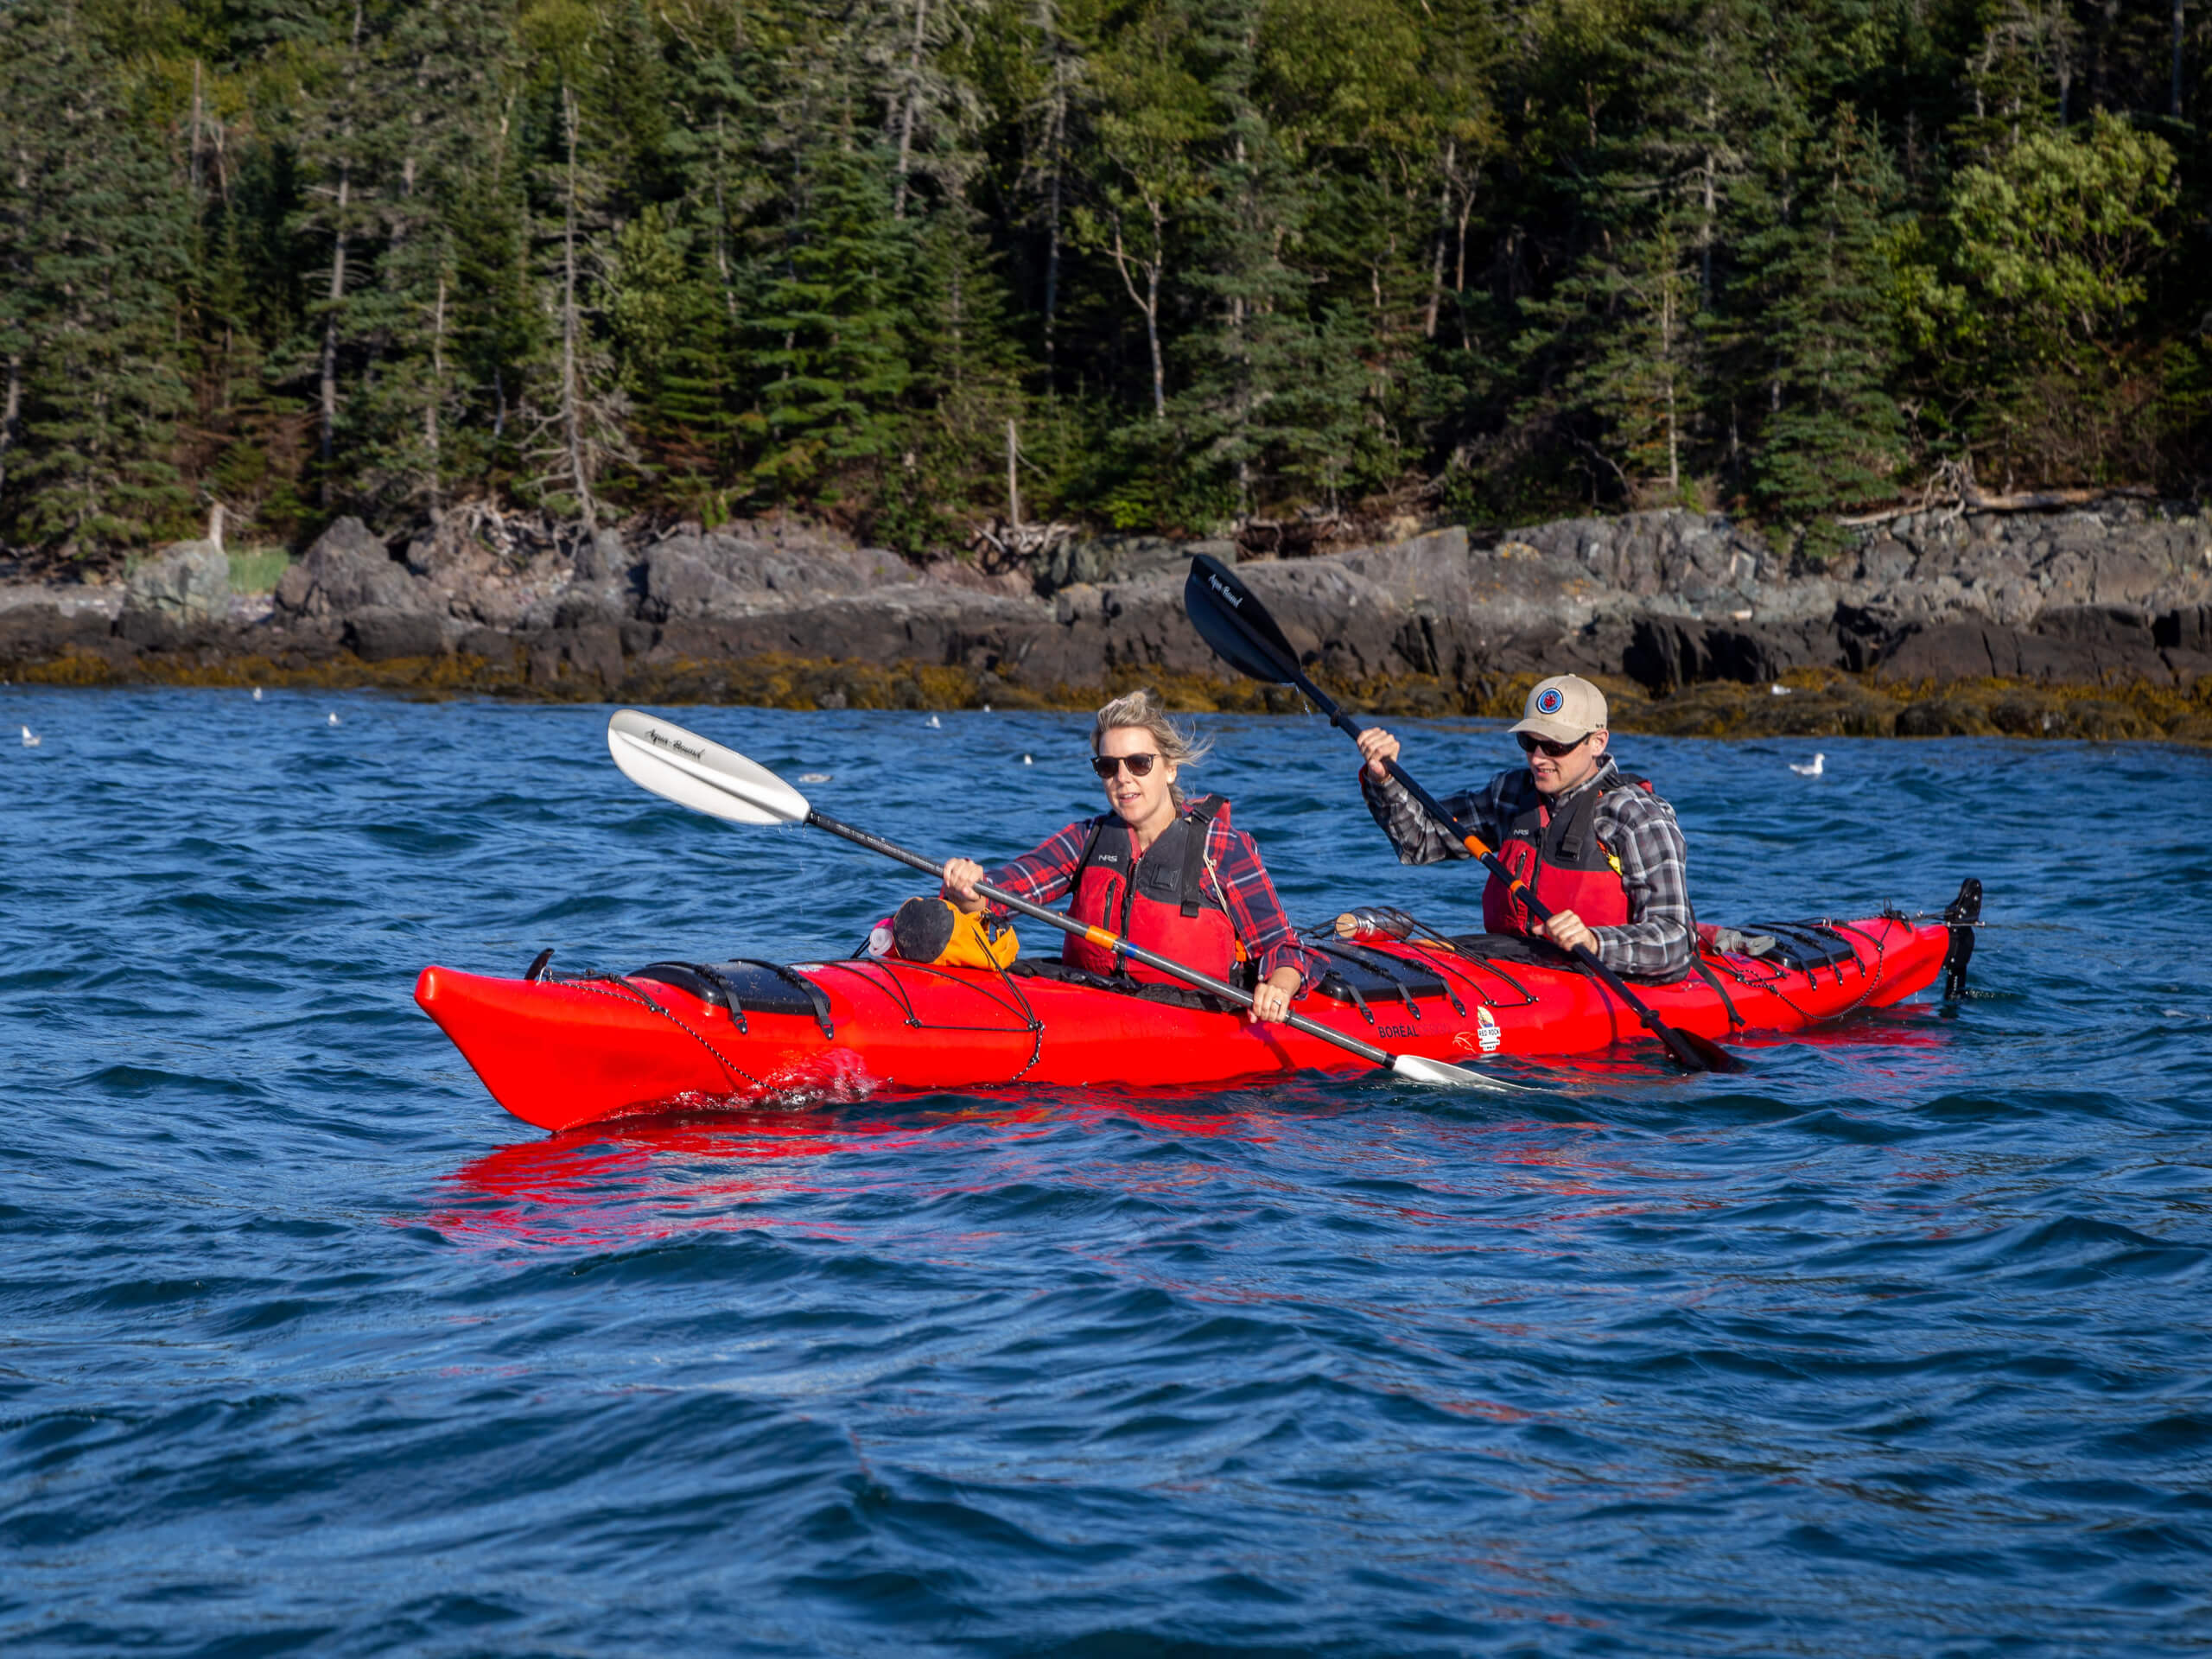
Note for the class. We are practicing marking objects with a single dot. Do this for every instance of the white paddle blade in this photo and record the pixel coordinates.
(1421, 1070)
(683, 767)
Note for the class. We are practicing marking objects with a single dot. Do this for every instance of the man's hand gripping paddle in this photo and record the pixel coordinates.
(683, 767)
(1234, 622)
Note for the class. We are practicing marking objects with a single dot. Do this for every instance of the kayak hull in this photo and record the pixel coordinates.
(558, 1053)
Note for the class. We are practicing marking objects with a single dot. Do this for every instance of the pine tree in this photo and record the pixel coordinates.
(1154, 115)
(337, 129)
(675, 350)
(967, 386)
(92, 224)
(441, 63)
(1241, 254)
(1627, 322)
(834, 366)
(499, 329)
(1260, 336)
(1833, 436)
(1633, 342)
(579, 427)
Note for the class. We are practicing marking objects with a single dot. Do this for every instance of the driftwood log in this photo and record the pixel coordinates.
(1001, 546)
(1952, 491)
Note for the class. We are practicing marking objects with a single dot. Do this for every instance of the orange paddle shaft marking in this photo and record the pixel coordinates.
(1474, 844)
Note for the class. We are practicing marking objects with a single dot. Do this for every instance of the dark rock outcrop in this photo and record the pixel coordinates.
(2079, 645)
(380, 635)
(37, 629)
(1667, 602)
(347, 572)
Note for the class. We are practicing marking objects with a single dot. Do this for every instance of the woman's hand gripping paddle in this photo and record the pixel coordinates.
(1230, 618)
(683, 767)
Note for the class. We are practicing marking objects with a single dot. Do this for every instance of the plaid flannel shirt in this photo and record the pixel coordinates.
(1658, 940)
(1234, 874)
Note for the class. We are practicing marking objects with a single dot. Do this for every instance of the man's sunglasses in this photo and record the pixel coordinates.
(1106, 765)
(1530, 744)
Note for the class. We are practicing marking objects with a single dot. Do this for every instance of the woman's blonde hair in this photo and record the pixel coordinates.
(1180, 746)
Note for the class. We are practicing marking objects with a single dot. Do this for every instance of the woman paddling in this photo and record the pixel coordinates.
(1164, 872)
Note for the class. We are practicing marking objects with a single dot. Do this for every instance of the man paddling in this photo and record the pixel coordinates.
(1595, 844)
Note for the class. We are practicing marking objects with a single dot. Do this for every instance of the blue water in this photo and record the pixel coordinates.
(1897, 1344)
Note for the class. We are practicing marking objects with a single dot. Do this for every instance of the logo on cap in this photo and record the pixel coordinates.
(1549, 703)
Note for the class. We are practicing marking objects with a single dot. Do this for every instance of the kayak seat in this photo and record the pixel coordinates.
(744, 987)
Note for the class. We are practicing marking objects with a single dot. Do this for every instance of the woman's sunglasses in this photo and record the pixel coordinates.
(1529, 744)
(1106, 765)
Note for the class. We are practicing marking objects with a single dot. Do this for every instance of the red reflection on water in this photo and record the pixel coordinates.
(641, 1179)
(638, 1179)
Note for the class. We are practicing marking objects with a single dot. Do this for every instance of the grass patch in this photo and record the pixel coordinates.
(255, 570)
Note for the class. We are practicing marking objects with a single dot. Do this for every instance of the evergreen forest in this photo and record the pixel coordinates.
(1163, 265)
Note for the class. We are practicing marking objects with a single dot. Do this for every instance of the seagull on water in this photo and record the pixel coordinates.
(31, 739)
(1813, 771)
(936, 725)
(334, 719)
(1026, 760)
(257, 694)
(814, 777)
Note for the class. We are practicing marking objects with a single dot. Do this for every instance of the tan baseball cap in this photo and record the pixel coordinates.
(1565, 708)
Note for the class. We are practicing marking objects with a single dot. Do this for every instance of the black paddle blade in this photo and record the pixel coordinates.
(1708, 1055)
(1235, 624)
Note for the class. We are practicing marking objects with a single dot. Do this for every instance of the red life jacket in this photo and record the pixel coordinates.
(1165, 908)
(1565, 865)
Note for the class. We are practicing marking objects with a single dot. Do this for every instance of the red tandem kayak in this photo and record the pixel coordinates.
(561, 1050)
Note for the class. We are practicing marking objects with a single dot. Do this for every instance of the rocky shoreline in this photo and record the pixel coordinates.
(2078, 624)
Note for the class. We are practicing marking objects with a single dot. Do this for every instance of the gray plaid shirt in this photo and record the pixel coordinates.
(1657, 941)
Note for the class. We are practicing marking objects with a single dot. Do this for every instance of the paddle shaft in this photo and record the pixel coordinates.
(1678, 1043)
(1102, 939)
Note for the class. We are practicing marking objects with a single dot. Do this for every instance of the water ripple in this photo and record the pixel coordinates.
(1895, 1344)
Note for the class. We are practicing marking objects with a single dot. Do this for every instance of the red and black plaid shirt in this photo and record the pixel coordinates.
(1234, 874)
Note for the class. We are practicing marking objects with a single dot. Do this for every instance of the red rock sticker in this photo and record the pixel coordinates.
(1485, 1037)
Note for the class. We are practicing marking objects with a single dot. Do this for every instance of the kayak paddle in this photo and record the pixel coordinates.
(691, 771)
(1231, 619)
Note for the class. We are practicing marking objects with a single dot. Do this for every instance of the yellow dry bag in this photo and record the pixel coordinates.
(933, 930)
